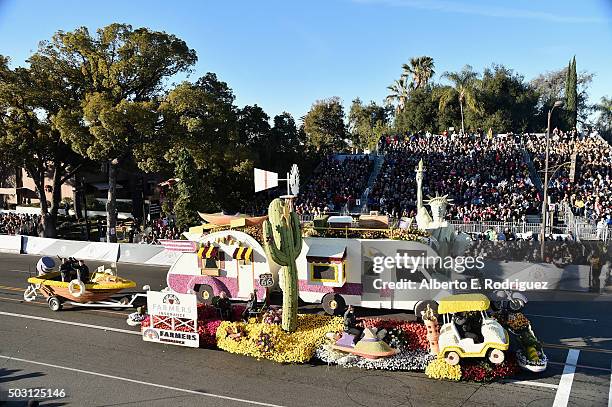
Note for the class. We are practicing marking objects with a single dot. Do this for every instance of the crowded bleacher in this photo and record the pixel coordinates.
(454, 165)
(590, 194)
(334, 185)
(19, 224)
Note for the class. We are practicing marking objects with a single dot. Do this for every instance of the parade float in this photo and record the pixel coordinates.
(97, 291)
(248, 259)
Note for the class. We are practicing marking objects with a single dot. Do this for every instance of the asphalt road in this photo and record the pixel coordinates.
(100, 361)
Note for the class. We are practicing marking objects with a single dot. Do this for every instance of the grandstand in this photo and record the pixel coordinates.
(495, 181)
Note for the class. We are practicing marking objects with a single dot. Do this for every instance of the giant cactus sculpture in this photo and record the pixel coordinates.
(283, 244)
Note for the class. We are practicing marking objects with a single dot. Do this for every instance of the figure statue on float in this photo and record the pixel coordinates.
(447, 241)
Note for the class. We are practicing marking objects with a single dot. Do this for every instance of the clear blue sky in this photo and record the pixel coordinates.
(283, 54)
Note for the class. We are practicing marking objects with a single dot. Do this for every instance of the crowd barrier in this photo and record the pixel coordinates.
(101, 251)
(10, 244)
(147, 254)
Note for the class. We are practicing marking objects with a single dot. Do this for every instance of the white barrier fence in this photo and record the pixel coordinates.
(10, 244)
(101, 251)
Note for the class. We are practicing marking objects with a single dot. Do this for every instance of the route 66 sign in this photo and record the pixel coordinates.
(266, 280)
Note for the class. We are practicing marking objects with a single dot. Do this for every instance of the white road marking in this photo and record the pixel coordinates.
(567, 378)
(534, 383)
(125, 379)
(556, 317)
(59, 321)
(20, 271)
(610, 391)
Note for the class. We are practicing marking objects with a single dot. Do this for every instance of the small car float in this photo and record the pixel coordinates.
(97, 292)
(483, 336)
(369, 347)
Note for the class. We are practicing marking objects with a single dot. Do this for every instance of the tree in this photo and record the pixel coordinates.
(421, 69)
(550, 87)
(398, 94)
(463, 89)
(366, 123)
(201, 118)
(124, 71)
(604, 120)
(571, 94)
(507, 102)
(30, 99)
(324, 125)
(420, 113)
(186, 190)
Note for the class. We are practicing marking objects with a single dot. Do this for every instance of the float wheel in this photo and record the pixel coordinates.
(54, 304)
(496, 356)
(333, 304)
(452, 358)
(205, 294)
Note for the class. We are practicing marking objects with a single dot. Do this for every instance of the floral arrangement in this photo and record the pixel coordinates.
(483, 371)
(295, 347)
(409, 360)
(265, 343)
(349, 233)
(272, 316)
(439, 369)
(517, 321)
(404, 335)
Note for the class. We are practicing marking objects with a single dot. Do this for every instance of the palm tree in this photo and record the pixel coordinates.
(398, 94)
(421, 69)
(464, 86)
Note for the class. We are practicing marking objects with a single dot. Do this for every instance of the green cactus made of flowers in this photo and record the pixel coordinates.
(283, 244)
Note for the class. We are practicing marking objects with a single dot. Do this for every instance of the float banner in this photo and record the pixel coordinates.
(174, 319)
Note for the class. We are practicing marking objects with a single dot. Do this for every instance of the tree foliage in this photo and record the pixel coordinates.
(30, 99)
(324, 125)
(571, 94)
(124, 71)
(366, 123)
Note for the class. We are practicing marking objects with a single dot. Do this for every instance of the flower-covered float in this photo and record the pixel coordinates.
(439, 346)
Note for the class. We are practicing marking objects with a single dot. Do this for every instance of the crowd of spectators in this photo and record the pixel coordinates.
(484, 175)
(335, 184)
(20, 224)
(590, 193)
(160, 229)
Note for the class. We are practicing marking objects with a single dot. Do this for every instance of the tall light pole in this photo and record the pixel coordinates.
(559, 104)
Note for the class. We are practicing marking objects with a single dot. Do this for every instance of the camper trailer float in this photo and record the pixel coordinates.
(333, 272)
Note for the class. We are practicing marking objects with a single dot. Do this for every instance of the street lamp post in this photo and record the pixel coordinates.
(558, 103)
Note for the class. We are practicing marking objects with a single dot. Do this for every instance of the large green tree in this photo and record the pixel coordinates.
(463, 89)
(203, 120)
(508, 103)
(124, 70)
(420, 113)
(551, 87)
(30, 99)
(571, 94)
(366, 123)
(324, 125)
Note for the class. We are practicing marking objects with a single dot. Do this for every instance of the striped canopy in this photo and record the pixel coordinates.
(243, 253)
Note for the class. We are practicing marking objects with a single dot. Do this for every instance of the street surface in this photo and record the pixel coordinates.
(98, 360)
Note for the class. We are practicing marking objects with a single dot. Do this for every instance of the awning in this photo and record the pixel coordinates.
(208, 252)
(243, 253)
(328, 253)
